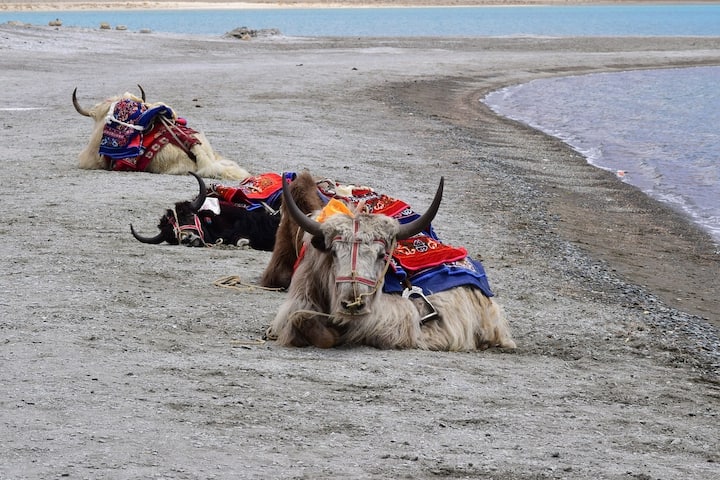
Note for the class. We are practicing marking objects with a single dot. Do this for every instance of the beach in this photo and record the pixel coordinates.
(124, 360)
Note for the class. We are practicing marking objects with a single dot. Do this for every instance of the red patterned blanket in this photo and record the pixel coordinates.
(132, 136)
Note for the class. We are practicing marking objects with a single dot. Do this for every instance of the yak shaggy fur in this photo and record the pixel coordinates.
(316, 311)
(289, 238)
(170, 160)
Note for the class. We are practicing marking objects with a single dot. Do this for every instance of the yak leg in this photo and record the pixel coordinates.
(313, 331)
(299, 329)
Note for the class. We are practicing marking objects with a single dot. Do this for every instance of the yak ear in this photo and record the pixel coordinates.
(318, 241)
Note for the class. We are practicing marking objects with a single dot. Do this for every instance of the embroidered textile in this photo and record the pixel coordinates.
(131, 136)
(374, 202)
(152, 142)
(266, 187)
(421, 252)
(122, 134)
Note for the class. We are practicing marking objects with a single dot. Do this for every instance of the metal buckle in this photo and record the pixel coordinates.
(418, 292)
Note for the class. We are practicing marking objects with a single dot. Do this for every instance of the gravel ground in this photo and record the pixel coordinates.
(124, 360)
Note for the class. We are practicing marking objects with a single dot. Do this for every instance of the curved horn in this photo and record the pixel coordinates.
(77, 106)
(419, 224)
(306, 223)
(142, 93)
(159, 238)
(200, 199)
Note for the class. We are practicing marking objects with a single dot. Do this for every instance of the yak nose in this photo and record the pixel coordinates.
(353, 307)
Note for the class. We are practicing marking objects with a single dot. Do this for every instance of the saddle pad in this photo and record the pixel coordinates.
(122, 132)
(466, 272)
(265, 187)
(421, 252)
(152, 142)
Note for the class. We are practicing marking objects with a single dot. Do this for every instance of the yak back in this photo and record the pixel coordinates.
(237, 222)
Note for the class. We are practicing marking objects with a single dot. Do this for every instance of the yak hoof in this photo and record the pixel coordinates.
(312, 331)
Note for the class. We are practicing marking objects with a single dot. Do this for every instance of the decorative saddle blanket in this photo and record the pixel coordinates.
(422, 260)
(253, 191)
(375, 202)
(132, 136)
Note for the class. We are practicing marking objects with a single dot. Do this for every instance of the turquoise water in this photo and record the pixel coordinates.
(649, 20)
(658, 130)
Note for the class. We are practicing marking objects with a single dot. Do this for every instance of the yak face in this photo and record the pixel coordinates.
(188, 225)
(100, 111)
(360, 247)
(181, 225)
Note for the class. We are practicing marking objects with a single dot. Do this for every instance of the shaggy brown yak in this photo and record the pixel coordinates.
(172, 159)
(289, 236)
(336, 298)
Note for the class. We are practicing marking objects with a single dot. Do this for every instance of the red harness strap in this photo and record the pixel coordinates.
(196, 226)
(354, 277)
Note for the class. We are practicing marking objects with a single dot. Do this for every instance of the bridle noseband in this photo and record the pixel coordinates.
(183, 231)
(354, 277)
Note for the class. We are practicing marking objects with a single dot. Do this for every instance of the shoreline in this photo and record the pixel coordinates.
(630, 238)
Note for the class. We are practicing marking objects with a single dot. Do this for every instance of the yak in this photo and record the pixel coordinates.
(197, 223)
(336, 294)
(133, 135)
(289, 236)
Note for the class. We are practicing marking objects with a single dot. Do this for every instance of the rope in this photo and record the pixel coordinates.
(294, 314)
(242, 343)
(169, 126)
(236, 283)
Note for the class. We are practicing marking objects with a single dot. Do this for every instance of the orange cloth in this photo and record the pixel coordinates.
(333, 207)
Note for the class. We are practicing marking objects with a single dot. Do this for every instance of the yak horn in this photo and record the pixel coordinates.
(142, 93)
(200, 199)
(79, 109)
(159, 238)
(419, 224)
(306, 223)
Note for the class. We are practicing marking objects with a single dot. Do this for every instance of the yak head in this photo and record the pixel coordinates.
(100, 111)
(182, 224)
(360, 246)
(90, 157)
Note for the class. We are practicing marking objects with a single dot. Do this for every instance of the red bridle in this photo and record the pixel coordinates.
(181, 229)
(354, 252)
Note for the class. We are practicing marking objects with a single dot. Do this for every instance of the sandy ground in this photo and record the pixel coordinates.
(123, 360)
